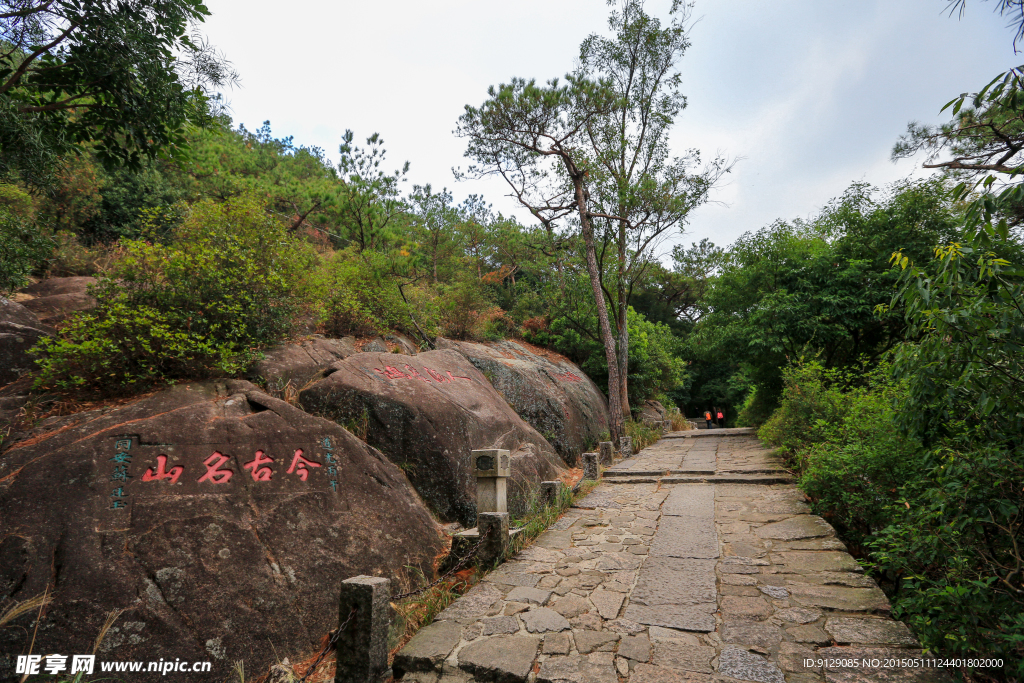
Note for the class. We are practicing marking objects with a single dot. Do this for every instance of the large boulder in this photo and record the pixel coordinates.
(298, 362)
(222, 520)
(545, 389)
(20, 329)
(56, 298)
(427, 412)
(652, 412)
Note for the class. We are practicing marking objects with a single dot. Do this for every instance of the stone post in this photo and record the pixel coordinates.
(607, 453)
(626, 446)
(549, 491)
(492, 467)
(493, 528)
(590, 470)
(362, 648)
(667, 426)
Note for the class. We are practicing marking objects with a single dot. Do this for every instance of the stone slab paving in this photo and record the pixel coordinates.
(659, 582)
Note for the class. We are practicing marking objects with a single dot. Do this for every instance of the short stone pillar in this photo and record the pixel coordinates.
(362, 648)
(549, 492)
(493, 530)
(607, 451)
(626, 446)
(492, 467)
(666, 426)
(590, 470)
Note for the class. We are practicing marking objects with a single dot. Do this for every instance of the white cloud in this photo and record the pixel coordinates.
(811, 94)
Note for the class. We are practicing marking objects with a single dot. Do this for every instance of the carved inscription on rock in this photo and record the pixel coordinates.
(131, 470)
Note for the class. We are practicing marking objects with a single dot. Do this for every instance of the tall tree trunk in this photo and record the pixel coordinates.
(616, 427)
(623, 320)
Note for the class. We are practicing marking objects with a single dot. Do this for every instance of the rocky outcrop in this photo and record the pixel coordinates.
(56, 298)
(545, 389)
(426, 413)
(298, 362)
(20, 329)
(403, 344)
(652, 412)
(222, 520)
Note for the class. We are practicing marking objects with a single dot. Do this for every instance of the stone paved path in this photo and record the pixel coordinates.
(695, 561)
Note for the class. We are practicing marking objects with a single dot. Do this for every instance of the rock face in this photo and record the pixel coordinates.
(58, 297)
(549, 392)
(652, 412)
(20, 329)
(299, 362)
(219, 518)
(426, 413)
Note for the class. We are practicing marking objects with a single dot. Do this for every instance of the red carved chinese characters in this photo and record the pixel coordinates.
(260, 473)
(412, 373)
(213, 472)
(299, 465)
(162, 473)
(438, 377)
(391, 372)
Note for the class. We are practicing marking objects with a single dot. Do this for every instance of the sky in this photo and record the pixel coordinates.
(806, 96)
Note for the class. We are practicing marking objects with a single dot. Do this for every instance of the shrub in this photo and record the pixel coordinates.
(198, 307)
(811, 401)
(464, 310)
(22, 249)
(678, 420)
(654, 364)
(643, 435)
(756, 409)
(354, 293)
(952, 553)
(71, 257)
(938, 523)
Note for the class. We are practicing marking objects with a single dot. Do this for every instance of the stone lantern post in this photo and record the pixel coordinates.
(492, 467)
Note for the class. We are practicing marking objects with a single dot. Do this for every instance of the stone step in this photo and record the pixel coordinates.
(635, 473)
(764, 470)
(635, 480)
(707, 433)
(759, 479)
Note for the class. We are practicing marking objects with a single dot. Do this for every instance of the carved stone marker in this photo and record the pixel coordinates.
(590, 470)
(362, 649)
(626, 446)
(549, 491)
(493, 529)
(607, 453)
(492, 467)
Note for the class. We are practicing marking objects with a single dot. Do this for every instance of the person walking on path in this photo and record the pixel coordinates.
(721, 419)
(707, 417)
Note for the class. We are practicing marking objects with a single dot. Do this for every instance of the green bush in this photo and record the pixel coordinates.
(654, 364)
(201, 306)
(22, 249)
(466, 312)
(811, 402)
(756, 409)
(952, 553)
(354, 293)
(938, 523)
(851, 457)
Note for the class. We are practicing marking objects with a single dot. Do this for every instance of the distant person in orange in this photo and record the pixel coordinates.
(707, 416)
(721, 419)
